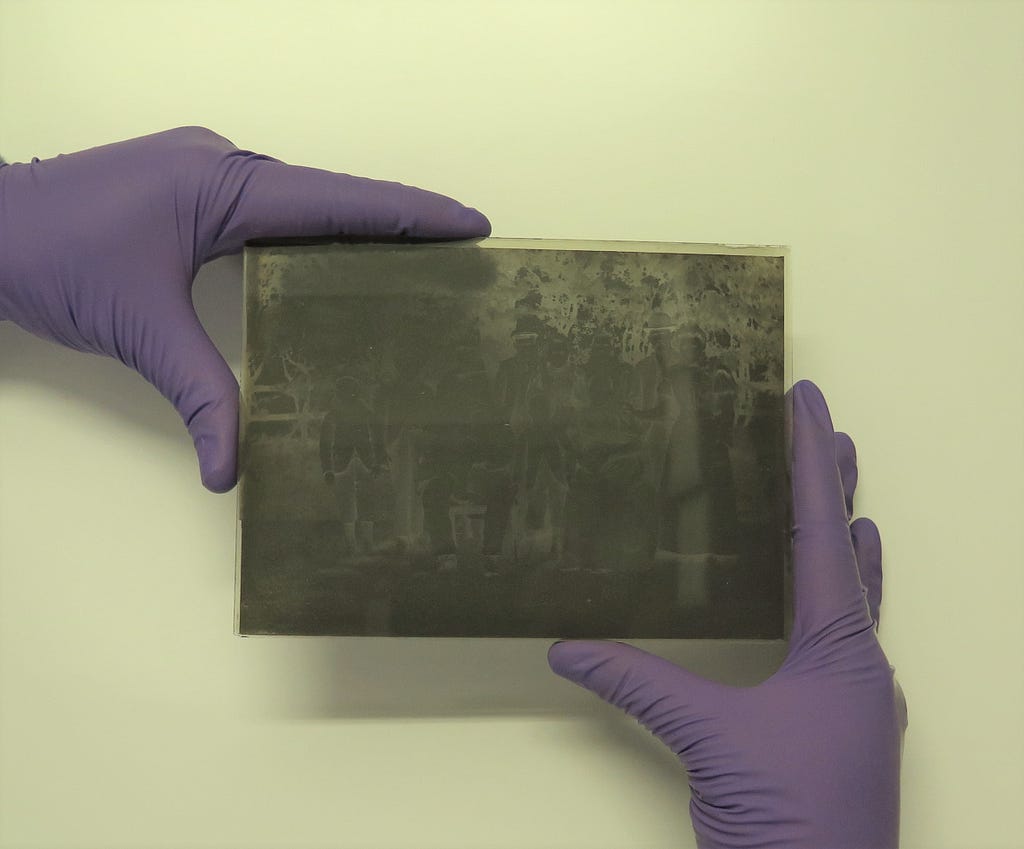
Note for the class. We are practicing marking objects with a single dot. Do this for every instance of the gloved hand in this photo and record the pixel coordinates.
(99, 250)
(810, 758)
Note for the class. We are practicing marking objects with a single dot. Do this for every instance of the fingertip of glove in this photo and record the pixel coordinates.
(573, 658)
(217, 465)
(556, 652)
(563, 655)
(465, 222)
(219, 481)
(213, 427)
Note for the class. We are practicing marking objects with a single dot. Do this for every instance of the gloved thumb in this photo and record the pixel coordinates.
(674, 704)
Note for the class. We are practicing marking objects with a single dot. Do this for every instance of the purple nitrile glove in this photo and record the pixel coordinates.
(99, 250)
(810, 758)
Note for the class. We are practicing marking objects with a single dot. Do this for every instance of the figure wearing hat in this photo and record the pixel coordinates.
(605, 367)
(668, 396)
(512, 390)
(351, 455)
(452, 443)
(553, 398)
(610, 522)
(516, 373)
(650, 394)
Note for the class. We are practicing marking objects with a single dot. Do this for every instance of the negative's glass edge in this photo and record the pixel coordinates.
(639, 246)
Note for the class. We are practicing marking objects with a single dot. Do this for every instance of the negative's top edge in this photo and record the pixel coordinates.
(287, 245)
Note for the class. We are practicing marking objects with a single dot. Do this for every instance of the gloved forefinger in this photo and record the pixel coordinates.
(867, 543)
(244, 196)
(846, 459)
(827, 585)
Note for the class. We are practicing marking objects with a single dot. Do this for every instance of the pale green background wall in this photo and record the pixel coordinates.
(882, 141)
